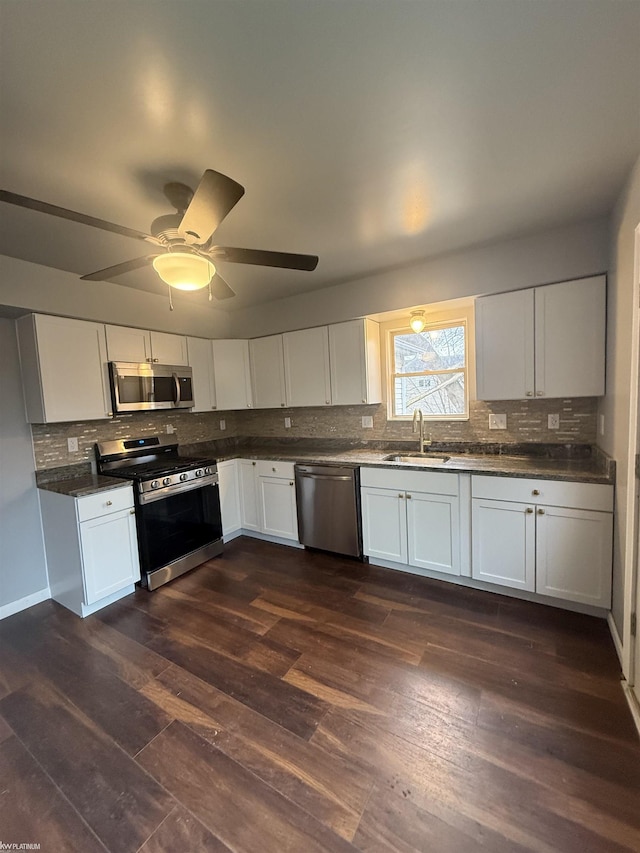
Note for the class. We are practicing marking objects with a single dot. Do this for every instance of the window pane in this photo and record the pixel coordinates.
(438, 394)
(437, 349)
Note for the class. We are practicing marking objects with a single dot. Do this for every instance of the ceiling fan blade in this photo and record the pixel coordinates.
(214, 197)
(284, 260)
(220, 289)
(82, 218)
(118, 269)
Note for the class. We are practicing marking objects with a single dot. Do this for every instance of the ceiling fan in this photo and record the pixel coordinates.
(184, 255)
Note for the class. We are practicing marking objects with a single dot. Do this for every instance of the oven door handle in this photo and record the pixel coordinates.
(176, 381)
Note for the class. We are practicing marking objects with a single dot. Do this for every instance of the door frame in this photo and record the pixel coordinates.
(632, 591)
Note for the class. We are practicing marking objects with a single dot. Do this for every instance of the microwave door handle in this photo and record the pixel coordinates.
(177, 387)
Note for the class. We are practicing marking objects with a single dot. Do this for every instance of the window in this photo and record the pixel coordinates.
(428, 371)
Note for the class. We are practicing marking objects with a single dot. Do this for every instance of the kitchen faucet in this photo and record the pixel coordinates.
(418, 418)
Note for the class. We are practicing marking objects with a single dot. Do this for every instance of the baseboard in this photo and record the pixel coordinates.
(23, 603)
(615, 636)
(633, 703)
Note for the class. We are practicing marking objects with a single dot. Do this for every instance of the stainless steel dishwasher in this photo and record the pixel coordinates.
(328, 502)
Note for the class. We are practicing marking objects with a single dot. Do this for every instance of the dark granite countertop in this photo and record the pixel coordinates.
(83, 485)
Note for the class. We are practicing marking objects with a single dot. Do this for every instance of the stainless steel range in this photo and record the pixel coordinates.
(177, 504)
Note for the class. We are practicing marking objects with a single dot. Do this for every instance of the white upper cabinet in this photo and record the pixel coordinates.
(64, 369)
(139, 345)
(542, 342)
(201, 362)
(231, 374)
(354, 354)
(267, 372)
(306, 367)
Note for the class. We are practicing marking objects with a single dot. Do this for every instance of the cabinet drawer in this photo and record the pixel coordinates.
(433, 482)
(275, 469)
(103, 503)
(593, 496)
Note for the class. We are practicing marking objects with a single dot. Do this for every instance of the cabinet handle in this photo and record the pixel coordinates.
(401, 496)
(540, 512)
(408, 497)
(132, 512)
(529, 510)
(109, 503)
(540, 393)
(529, 393)
(535, 492)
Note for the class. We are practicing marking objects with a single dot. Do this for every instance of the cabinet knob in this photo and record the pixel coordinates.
(273, 469)
(291, 482)
(282, 404)
(529, 393)
(535, 492)
(253, 463)
(155, 360)
(248, 405)
(214, 407)
(540, 512)
(364, 400)
(132, 512)
(109, 503)
(408, 497)
(328, 402)
(540, 393)
(401, 496)
(529, 510)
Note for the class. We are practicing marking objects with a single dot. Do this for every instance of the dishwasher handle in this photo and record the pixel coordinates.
(333, 477)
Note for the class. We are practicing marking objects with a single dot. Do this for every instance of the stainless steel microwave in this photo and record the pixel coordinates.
(146, 387)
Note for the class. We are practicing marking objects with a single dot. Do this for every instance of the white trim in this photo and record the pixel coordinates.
(615, 636)
(632, 702)
(23, 603)
(266, 537)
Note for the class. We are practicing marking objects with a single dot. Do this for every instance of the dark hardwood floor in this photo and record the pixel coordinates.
(279, 700)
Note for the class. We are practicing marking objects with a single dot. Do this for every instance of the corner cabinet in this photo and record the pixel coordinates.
(91, 547)
(64, 369)
(542, 342)
(545, 536)
(416, 518)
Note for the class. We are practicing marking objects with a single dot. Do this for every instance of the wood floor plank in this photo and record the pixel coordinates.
(114, 796)
(33, 810)
(240, 809)
(181, 831)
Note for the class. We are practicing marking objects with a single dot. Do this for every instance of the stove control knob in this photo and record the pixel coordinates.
(199, 473)
(155, 484)
(208, 470)
(183, 477)
(166, 481)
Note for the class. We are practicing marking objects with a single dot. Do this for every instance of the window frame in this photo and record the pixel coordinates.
(391, 375)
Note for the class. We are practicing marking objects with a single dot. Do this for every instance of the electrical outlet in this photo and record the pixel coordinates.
(72, 445)
(223, 425)
(367, 422)
(170, 429)
(287, 423)
(553, 421)
(497, 421)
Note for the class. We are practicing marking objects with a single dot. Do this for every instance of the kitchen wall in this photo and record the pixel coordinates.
(617, 440)
(23, 572)
(564, 253)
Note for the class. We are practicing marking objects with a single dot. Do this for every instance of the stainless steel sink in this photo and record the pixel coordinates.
(425, 459)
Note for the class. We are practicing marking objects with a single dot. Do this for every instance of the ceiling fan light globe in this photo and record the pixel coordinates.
(184, 271)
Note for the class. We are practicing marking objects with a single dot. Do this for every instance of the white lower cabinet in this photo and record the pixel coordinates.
(229, 485)
(413, 517)
(91, 546)
(268, 498)
(549, 537)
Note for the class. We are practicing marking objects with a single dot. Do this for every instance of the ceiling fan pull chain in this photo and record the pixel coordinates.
(170, 300)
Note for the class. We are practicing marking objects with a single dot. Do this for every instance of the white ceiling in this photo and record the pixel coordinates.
(369, 133)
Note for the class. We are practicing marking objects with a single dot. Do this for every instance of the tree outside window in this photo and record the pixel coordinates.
(429, 372)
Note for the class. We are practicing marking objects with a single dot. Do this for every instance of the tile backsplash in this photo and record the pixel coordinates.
(526, 422)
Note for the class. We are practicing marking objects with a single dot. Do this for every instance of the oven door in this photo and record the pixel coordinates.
(178, 526)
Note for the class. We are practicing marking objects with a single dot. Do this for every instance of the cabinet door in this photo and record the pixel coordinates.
(433, 534)
(124, 344)
(169, 349)
(278, 516)
(109, 554)
(72, 363)
(574, 555)
(570, 338)
(229, 496)
(231, 372)
(354, 356)
(201, 363)
(306, 366)
(267, 372)
(248, 494)
(384, 524)
(504, 346)
(503, 543)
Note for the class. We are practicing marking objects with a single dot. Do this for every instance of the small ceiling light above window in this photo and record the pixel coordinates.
(184, 270)
(417, 321)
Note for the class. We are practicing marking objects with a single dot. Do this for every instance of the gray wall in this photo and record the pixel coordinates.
(561, 254)
(616, 405)
(22, 561)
